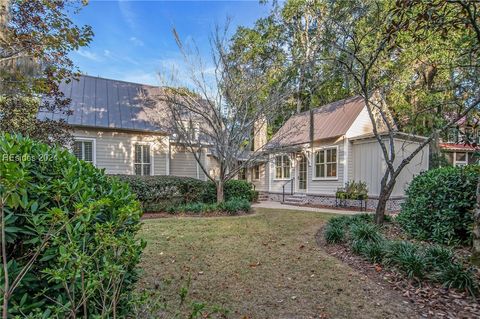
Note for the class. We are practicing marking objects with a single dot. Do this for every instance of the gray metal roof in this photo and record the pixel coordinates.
(104, 103)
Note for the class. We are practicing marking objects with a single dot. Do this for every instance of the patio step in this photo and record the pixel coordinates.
(295, 199)
(262, 197)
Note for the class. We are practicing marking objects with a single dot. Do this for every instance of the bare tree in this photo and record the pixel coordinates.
(364, 38)
(221, 108)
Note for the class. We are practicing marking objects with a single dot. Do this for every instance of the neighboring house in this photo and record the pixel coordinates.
(120, 127)
(327, 147)
(455, 148)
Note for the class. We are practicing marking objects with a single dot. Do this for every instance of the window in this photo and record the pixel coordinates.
(242, 173)
(460, 159)
(83, 150)
(142, 159)
(282, 167)
(256, 172)
(326, 163)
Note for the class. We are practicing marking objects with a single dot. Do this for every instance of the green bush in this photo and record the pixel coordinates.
(334, 233)
(408, 258)
(82, 224)
(454, 275)
(232, 207)
(365, 232)
(439, 205)
(437, 256)
(374, 251)
(353, 190)
(235, 205)
(161, 193)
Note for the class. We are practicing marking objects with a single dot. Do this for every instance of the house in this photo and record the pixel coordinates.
(316, 152)
(120, 127)
(459, 144)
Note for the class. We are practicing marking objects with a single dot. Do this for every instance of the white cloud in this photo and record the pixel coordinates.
(89, 55)
(140, 76)
(137, 42)
(127, 13)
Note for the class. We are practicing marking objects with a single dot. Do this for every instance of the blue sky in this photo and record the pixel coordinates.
(133, 39)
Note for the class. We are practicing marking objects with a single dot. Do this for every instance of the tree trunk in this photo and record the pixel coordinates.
(382, 203)
(220, 195)
(476, 230)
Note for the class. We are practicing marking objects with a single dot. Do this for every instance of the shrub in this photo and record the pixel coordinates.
(374, 251)
(454, 275)
(408, 258)
(358, 246)
(334, 233)
(365, 232)
(353, 190)
(438, 256)
(83, 224)
(235, 205)
(439, 205)
(233, 189)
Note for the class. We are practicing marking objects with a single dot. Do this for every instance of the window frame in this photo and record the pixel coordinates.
(255, 170)
(152, 168)
(314, 162)
(460, 163)
(94, 148)
(283, 178)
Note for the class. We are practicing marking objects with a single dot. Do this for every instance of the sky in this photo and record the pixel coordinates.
(133, 40)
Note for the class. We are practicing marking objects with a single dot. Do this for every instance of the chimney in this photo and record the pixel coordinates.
(259, 133)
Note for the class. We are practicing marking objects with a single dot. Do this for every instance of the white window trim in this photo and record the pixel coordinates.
(314, 163)
(94, 147)
(275, 168)
(253, 173)
(152, 159)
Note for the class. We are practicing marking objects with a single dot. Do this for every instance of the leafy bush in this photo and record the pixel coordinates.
(365, 232)
(374, 251)
(438, 256)
(408, 258)
(235, 205)
(353, 190)
(334, 233)
(439, 205)
(454, 275)
(161, 193)
(76, 224)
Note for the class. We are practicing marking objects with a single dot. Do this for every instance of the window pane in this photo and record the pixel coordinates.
(138, 153)
(77, 149)
(286, 172)
(461, 157)
(278, 172)
(329, 155)
(138, 169)
(322, 157)
(88, 151)
(286, 161)
(317, 170)
(278, 161)
(146, 169)
(322, 171)
(146, 153)
(334, 155)
(332, 170)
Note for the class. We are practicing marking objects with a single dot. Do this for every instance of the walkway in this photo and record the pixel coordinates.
(278, 205)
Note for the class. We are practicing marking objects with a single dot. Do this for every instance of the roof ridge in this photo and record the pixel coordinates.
(122, 81)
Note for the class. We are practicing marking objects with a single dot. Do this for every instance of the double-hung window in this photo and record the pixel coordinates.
(256, 172)
(84, 150)
(326, 163)
(143, 159)
(282, 167)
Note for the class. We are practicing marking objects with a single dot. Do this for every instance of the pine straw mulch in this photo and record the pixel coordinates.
(431, 300)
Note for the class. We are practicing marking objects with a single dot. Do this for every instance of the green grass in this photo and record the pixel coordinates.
(266, 265)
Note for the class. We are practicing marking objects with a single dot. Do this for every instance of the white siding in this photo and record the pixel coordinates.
(367, 164)
(361, 125)
(115, 150)
(183, 163)
(262, 183)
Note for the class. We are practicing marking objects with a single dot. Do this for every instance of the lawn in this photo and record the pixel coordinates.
(266, 265)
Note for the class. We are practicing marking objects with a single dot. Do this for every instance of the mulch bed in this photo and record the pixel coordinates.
(430, 300)
(153, 215)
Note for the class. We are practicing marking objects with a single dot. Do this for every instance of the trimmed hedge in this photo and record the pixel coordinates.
(83, 224)
(232, 207)
(159, 193)
(439, 205)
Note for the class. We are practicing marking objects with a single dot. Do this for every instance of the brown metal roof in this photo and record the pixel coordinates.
(329, 121)
(104, 103)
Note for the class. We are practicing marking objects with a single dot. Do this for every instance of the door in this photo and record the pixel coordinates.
(302, 174)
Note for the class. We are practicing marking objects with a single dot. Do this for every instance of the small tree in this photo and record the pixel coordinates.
(379, 46)
(223, 110)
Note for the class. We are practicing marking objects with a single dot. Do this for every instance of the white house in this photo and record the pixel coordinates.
(118, 126)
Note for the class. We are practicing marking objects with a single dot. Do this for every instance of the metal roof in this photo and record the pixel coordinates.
(329, 121)
(104, 103)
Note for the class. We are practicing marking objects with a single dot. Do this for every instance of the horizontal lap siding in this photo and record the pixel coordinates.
(262, 183)
(183, 163)
(326, 187)
(115, 150)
